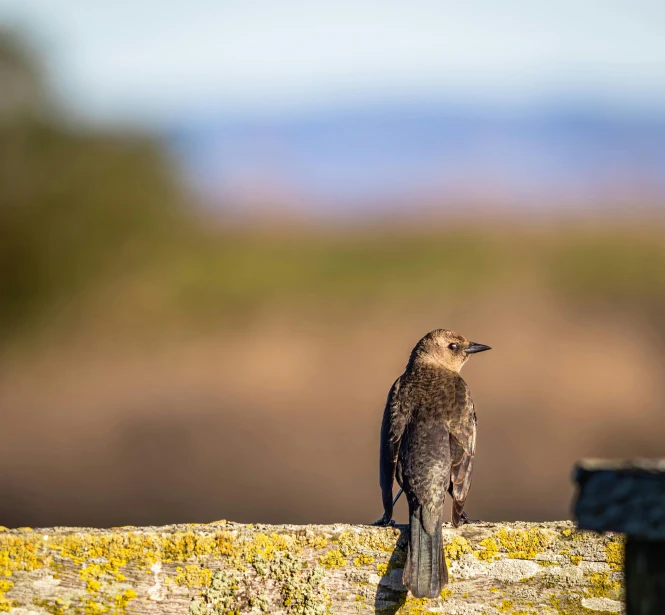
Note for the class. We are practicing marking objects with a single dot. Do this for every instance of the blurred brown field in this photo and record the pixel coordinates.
(169, 395)
(160, 366)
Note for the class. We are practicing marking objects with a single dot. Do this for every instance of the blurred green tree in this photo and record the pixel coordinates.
(75, 203)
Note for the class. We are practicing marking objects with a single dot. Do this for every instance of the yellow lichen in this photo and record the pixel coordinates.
(123, 599)
(16, 554)
(601, 585)
(315, 542)
(545, 563)
(615, 553)
(5, 604)
(363, 560)
(192, 576)
(350, 543)
(490, 550)
(333, 559)
(414, 606)
(57, 607)
(218, 595)
(523, 544)
(571, 604)
(457, 547)
(446, 593)
(305, 594)
(99, 559)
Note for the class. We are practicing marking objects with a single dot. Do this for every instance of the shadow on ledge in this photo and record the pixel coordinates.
(391, 593)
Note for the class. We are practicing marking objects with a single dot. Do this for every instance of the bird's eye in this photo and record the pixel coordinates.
(452, 346)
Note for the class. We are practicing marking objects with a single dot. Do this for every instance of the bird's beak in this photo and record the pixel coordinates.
(474, 347)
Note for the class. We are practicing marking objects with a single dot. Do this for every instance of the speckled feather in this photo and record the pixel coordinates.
(429, 436)
(428, 441)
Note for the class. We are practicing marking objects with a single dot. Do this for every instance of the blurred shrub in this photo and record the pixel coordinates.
(74, 205)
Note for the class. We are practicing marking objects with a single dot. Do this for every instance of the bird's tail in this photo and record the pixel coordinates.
(425, 572)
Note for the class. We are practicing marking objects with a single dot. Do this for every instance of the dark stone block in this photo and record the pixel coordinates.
(627, 497)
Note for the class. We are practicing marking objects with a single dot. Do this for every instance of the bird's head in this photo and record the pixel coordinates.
(446, 349)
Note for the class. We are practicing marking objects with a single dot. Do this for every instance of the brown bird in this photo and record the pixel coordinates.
(428, 441)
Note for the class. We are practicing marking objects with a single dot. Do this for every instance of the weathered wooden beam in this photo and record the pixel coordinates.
(629, 497)
(518, 568)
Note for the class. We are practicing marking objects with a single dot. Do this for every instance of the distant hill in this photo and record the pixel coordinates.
(397, 157)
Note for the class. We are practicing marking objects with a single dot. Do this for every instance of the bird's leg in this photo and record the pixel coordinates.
(464, 520)
(384, 523)
(387, 519)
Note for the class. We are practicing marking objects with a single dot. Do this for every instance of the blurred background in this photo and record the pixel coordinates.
(224, 225)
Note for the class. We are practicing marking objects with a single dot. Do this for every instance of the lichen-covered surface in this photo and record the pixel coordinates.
(227, 568)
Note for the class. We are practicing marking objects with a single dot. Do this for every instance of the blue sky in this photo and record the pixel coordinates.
(151, 61)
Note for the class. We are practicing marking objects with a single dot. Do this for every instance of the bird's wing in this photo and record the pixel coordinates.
(392, 428)
(462, 447)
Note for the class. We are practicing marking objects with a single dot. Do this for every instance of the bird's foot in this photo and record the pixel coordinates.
(465, 520)
(383, 522)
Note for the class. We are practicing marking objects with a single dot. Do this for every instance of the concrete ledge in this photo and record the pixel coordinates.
(223, 567)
